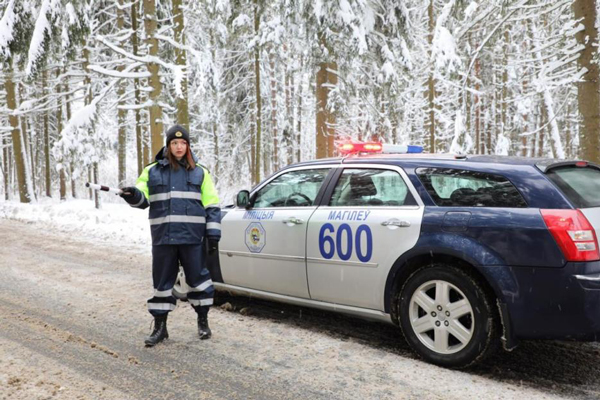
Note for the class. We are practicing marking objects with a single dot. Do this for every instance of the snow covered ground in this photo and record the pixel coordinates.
(115, 223)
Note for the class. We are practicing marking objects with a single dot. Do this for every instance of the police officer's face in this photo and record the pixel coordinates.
(178, 147)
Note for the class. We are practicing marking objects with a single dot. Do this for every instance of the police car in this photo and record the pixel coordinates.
(461, 252)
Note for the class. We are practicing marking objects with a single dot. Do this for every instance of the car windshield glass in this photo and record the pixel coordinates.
(292, 189)
(580, 185)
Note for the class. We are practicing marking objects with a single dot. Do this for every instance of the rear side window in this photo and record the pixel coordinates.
(460, 188)
(580, 185)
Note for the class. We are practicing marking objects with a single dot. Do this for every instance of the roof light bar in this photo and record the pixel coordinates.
(375, 147)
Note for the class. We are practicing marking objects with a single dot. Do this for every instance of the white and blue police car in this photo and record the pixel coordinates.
(463, 253)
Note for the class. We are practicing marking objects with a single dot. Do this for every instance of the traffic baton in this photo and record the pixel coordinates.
(103, 188)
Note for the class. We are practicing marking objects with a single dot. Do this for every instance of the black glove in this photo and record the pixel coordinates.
(128, 193)
(213, 246)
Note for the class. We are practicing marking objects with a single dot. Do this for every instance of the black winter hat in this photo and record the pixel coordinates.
(177, 132)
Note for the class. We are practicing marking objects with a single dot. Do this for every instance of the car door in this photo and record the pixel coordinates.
(263, 248)
(372, 217)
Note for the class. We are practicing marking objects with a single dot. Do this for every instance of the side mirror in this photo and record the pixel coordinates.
(242, 199)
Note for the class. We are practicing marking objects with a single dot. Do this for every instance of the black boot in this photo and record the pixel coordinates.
(159, 333)
(203, 329)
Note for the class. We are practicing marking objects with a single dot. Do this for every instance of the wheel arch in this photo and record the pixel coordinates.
(408, 263)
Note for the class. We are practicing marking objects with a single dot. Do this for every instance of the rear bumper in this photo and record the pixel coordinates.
(550, 303)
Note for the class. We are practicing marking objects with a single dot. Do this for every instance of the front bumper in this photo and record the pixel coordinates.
(550, 303)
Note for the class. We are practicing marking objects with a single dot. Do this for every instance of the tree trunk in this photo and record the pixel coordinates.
(28, 146)
(555, 140)
(47, 170)
(59, 128)
(156, 121)
(68, 110)
(257, 137)
(325, 123)
(477, 105)
(183, 117)
(139, 139)
(96, 181)
(588, 96)
(289, 115)
(121, 112)
(216, 151)
(6, 166)
(431, 81)
(19, 152)
(274, 131)
(299, 118)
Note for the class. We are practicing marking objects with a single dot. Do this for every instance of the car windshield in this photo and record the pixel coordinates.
(581, 185)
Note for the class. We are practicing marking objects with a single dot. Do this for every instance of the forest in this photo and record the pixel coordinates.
(89, 87)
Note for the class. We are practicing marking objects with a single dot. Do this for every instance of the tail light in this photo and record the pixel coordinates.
(573, 233)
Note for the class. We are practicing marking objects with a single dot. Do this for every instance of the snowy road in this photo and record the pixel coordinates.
(73, 319)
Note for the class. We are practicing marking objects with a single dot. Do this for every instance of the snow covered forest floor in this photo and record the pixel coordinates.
(72, 301)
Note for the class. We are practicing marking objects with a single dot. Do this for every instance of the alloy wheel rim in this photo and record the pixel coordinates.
(441, 317)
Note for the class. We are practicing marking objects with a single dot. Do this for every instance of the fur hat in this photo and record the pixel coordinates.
(177, 132)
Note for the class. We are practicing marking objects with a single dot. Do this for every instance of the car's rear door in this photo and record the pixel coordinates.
(371, 218)
(263, 248)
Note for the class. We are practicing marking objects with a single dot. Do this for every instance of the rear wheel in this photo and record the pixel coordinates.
(447, 316)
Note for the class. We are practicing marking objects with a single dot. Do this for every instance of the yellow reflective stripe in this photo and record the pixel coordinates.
(178, 218)
(142, 181)
(209, 193)
(174, 195)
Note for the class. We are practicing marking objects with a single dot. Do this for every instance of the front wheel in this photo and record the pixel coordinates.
(447, 317)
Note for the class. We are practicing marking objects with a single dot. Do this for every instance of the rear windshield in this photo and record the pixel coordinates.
(581, 185)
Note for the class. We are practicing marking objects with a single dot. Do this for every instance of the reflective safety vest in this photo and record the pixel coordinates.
(184, 205)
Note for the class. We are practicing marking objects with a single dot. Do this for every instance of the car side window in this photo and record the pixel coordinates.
(461, 188)
(292, 189)
(371, 187)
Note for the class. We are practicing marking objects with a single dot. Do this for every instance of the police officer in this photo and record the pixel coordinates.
(184, 211)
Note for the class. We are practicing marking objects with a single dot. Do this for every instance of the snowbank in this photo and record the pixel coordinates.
(116, 223)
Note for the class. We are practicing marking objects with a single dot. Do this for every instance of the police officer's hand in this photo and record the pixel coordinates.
(128, 193)
(213, 246)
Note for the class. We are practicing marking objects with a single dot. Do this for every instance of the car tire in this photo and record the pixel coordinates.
(448, 317)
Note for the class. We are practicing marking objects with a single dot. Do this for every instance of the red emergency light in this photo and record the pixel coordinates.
(357, 147)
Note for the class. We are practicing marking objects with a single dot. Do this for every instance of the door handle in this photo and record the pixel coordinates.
(396, 223)
(293, 221)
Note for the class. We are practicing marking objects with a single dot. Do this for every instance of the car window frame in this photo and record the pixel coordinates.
(318, 198)
(340, 169)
